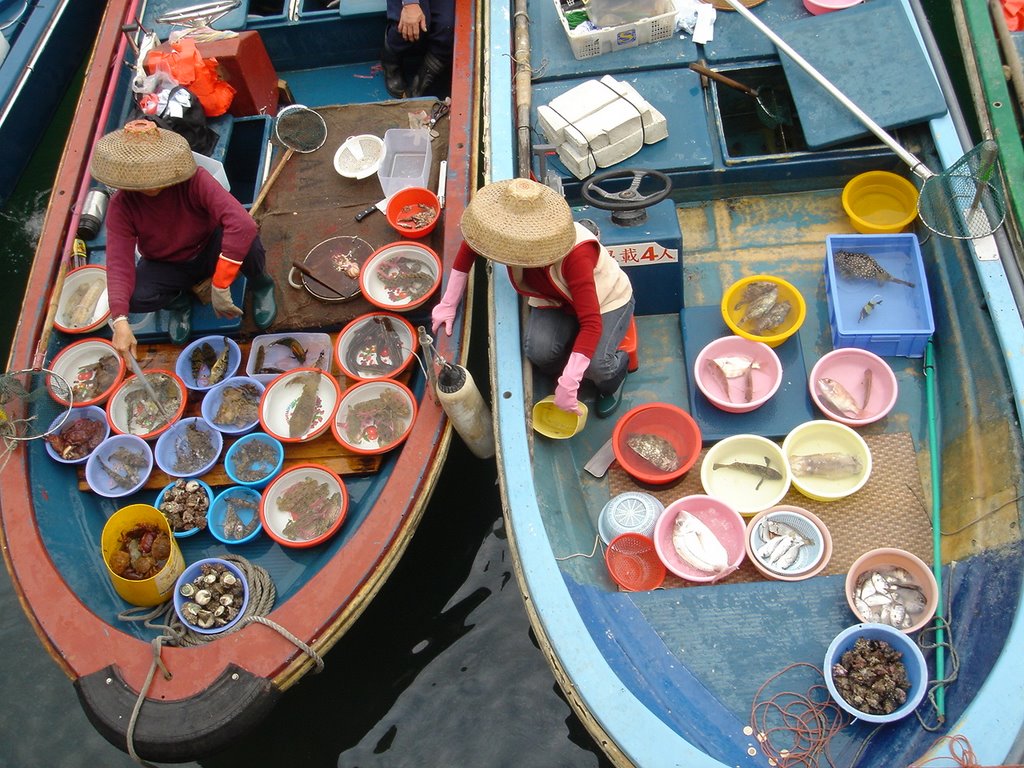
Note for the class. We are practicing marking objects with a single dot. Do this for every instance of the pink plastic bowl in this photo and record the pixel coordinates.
(848, 366)
(818, 7)
(724, 521)
(765, 374)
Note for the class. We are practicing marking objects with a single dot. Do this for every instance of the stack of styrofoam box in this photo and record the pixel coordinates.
(599, 123)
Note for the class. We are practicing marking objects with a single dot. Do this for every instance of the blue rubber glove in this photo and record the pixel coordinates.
(569, 383)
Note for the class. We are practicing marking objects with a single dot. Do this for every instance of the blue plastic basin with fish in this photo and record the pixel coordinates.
(208, 361)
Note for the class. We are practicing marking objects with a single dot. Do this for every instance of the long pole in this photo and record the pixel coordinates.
(523, 85)
(936, 468)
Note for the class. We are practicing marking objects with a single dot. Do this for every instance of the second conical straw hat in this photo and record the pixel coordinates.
(519, 222)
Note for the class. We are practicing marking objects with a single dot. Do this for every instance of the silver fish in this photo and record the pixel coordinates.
(773, 318)
(734, 366)
(300, 420)
(859, 265)
(837, 398)
(656, 450)
(766, 472)
(785, 544)
(831, 466)
(220, 365)
(765, 550)
(789, 557)
(881, 596)
(720, 376)
(869, 307)
(755, 290)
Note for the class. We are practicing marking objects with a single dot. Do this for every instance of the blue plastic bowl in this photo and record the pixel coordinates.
(91, 412)
(913, 660)
(183, 365)
(98, 479)
(215, 517)
(166, 446)
(272, 470)
(195, 570)
(209, 499)
(213, 399)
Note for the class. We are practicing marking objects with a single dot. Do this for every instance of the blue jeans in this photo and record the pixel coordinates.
(550, 334)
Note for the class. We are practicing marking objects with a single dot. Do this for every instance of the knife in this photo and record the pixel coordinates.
(382, 206)
(600, 461)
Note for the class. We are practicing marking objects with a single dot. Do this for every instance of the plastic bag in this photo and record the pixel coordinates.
(178, 110)
(199, 75)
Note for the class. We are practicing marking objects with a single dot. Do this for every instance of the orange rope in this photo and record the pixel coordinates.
(961, 755)
(805, 722)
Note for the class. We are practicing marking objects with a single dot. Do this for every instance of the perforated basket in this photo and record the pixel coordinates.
(633, 563)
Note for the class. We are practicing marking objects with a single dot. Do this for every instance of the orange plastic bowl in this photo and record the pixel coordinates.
(400, 276)
(662, 420)
(324, 497)
(79, 365)
(117, 407)
(633, 562)
(409, 202)
(374, 416)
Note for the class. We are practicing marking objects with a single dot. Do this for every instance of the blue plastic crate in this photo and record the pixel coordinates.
(901, 321)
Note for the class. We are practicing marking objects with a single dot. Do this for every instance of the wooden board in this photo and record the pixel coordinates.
(324, 450)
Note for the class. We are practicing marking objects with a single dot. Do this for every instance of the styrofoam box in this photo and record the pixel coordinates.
(406, 160)
(583, 163)
(279, 355)
(901, 321)
(585, 45)
(563, 117)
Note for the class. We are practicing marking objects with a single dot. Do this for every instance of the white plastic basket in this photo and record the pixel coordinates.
(610, 39)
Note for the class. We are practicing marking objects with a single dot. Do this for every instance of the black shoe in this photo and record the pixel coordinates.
(430, 70)
(394, 80)
(608, 404)
(179, 320)
(264, 304)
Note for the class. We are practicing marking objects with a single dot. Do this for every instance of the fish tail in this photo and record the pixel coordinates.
(903, 282)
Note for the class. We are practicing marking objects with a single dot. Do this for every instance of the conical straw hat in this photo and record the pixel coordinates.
(519, 222)
(142, 156)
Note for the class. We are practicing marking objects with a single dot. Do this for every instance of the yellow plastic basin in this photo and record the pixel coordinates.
(880, 203)
(551, 421)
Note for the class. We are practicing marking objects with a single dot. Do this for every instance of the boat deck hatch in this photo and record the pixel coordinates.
(754, 127)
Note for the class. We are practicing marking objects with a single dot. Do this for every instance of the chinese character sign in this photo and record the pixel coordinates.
(642, 254)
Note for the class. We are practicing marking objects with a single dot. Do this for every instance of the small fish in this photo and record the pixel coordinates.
(760, 306)
(831, 466)
(869, 307)
(734, 366)
(656, 450)
(261, 355)
(766, 472)
(785, 544)
(202, 356)
(868, 376)
(720, 377)
(300, 419)
(859, 265)
(837, 398)
(789, 557)
(766, 549)
(220, 365)
(748, 390)
(773, 318)
(297, 350)
(755, 290)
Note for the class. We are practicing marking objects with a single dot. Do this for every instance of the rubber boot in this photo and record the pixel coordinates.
(179, 321)
(394, 80)
(609, 404)
(430, 70)
(264, 303)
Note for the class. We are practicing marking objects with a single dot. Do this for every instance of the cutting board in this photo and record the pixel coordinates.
(872, 54)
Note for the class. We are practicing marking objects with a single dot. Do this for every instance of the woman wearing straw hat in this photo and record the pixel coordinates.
(186, 227)
(581, 300)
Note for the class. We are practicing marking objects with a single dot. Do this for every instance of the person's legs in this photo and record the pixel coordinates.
(438, 58)
(609, 366)
(549, 337)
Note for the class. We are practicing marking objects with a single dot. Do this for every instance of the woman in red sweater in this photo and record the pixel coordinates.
(581, 300)
(186, 228)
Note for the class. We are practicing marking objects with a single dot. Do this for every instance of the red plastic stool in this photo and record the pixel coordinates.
(628, 345)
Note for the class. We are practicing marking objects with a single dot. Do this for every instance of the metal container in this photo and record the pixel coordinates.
(93, 210)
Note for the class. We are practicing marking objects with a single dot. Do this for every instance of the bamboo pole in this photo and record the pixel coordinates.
(523, 75)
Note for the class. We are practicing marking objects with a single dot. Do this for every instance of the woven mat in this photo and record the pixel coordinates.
(886, 512)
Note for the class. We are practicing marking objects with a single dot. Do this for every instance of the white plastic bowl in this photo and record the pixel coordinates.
(284, 393)
(400, 276)
(359, 156)
(76, 283)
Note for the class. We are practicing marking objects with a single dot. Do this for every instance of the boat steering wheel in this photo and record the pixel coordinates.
(629, 206)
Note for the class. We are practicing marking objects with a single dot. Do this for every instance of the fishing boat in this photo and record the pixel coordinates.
(991, 53)
(41, 47)
(185, 700)
(688, 673)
